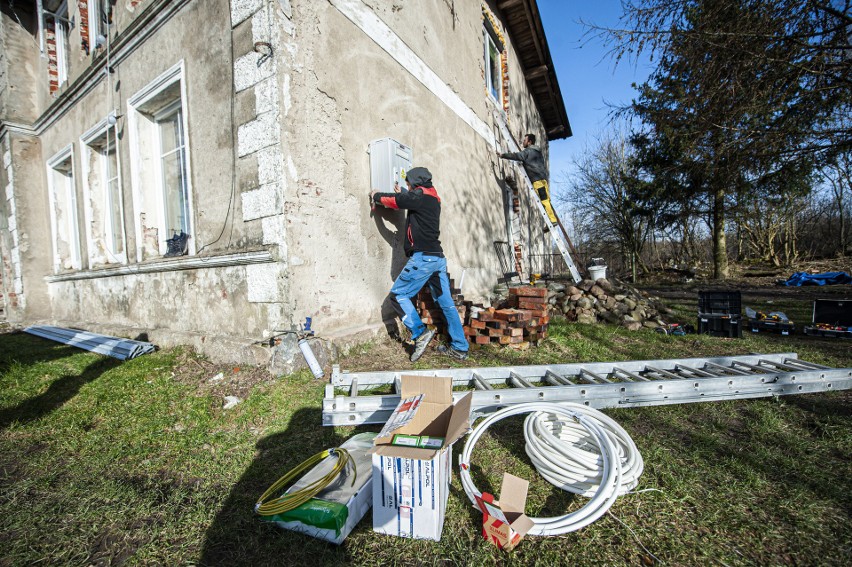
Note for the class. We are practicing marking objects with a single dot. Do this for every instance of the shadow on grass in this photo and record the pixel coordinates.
(26, 349)
(238, 537)
(837, 405)
(749, 447)
(60, 391)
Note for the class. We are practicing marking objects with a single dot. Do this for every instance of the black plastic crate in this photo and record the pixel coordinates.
(720, 302)
(720, 325)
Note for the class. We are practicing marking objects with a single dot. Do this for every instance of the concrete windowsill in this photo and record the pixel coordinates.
(168, 265)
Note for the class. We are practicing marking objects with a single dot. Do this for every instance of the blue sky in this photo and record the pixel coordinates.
(588, 77)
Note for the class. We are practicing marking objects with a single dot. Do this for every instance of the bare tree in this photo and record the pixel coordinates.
(600, 193)
(838, 177)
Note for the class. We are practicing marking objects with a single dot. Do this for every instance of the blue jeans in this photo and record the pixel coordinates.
(418, 272)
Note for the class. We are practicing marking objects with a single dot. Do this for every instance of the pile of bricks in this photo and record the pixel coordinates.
(430, 312)
(520, 322)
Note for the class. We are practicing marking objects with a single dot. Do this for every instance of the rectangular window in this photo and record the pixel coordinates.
(493, 69)
(160, 168)
(62, 196)
(63, 27)
(172, 164)
(99, 20)
(102, 192)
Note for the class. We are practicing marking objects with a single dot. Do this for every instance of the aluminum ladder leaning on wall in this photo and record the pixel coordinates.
(349, 399)
(559, 236)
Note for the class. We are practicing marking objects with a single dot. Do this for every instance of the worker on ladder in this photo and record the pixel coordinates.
(533, 160)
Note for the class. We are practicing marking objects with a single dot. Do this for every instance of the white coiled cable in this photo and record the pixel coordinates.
(564, 453)
(610, 465)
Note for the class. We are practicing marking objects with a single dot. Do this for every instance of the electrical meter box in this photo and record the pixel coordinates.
(389, 163)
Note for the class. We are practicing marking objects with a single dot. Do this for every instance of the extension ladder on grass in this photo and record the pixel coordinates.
(350, 397)
(560, 238)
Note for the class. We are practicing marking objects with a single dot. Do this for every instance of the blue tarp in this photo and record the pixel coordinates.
(826, 278)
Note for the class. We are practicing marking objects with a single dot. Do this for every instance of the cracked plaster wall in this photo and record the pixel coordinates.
(302, 121)
(207, 307)
(13, 301)
(348, 91)
(27, 228)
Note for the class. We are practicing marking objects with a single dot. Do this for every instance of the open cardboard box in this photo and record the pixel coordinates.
(410, 484)
(504, 523)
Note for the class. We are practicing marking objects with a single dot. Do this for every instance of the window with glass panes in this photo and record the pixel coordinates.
(173, 169)
(493, 68)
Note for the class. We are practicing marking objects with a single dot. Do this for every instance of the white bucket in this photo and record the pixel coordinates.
(597, 272)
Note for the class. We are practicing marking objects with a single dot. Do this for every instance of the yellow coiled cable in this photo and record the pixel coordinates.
(268, 506)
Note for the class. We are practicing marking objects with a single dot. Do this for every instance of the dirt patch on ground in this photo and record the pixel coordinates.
(219, 380)
(385, 353)
(754, 282)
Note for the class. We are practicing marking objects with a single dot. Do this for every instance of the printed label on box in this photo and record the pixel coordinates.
(403, 414)
(409, 495)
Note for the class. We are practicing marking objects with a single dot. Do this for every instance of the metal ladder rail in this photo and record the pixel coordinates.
(514, 232)
(352, 410)
(560, 240)
(343, 411)
(498, 375)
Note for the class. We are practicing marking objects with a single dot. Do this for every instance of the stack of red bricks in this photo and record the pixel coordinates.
(521, 323)
(519, 256)
(431, 314)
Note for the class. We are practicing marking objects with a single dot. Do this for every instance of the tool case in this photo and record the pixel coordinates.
(831, 318)
(720, 313)
(775, 322)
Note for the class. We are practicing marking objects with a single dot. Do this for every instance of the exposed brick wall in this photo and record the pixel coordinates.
(131, 4)
(52, 62)
(504, 67)
(83, 7)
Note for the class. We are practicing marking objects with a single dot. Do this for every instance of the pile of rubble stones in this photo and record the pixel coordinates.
(603, 300)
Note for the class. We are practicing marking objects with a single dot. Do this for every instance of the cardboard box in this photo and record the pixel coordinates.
(504, 523)
(411, 484)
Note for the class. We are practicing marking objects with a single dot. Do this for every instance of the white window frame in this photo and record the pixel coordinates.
(62, 29)
(97, 25)
(165, 114)
(63, 155)
(106, 127)
(489, 43)
(135, 108)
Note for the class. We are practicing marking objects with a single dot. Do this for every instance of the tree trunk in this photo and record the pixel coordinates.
(720, 251)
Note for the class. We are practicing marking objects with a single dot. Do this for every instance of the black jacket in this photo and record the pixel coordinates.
(533, 162)
(423, 222)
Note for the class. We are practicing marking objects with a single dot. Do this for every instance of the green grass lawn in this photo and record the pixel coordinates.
(129, 463)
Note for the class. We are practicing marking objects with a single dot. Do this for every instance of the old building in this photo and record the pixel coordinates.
(198, 171)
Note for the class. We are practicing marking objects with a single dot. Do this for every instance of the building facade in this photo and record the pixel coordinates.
(197, 172)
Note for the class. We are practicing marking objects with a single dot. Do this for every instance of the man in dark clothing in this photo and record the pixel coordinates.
(426, 262)
(534, 165)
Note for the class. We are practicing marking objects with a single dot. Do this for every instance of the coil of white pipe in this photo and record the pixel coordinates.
(566, 455)
(608, 456)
